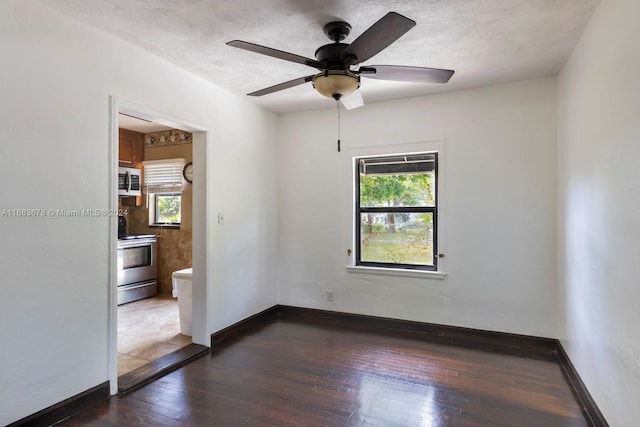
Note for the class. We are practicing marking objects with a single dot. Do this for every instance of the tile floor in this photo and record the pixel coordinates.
(147, 330)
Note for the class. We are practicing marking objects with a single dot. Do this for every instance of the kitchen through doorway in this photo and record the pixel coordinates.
(154, 238)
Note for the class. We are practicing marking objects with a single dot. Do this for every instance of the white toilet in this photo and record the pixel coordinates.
(182, 289)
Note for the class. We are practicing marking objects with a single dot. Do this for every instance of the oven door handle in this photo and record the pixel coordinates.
(137, 285)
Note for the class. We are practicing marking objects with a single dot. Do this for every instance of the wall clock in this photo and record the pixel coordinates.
(187, 172)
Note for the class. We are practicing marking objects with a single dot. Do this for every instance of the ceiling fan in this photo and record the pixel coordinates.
(339, 64)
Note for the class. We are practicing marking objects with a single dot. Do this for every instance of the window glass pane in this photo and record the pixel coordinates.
(398, 238)
(168, 208)
(398, 190)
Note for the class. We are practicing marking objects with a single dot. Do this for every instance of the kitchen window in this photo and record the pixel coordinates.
(396, 211)
(166, 208)
(163, 183)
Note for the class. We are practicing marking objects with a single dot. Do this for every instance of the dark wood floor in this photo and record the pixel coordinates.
(290, 373)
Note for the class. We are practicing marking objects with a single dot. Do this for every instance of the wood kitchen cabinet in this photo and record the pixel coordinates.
(130, 148)
(131, 155)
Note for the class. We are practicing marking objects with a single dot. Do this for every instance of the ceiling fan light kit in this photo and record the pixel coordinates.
(336, 83)
(340, 63)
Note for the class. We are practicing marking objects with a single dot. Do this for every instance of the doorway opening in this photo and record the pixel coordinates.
(153, 321)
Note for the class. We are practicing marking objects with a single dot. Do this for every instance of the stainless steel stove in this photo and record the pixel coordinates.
(137, 268)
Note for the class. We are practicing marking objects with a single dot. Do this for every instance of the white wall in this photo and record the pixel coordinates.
(57, 79)
(599, 209)
(500, 172)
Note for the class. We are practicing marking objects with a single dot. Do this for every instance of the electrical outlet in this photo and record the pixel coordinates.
(330, 295)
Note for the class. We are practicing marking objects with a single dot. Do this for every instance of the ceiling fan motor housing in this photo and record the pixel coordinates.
(330, 54)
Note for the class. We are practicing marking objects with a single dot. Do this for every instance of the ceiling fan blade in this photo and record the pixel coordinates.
(376, 38)
(275, 53)
(406, 74)
(281, 86)
(352, 101)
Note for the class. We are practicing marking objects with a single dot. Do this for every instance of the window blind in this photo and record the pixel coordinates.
(163, 176)
(397, 165)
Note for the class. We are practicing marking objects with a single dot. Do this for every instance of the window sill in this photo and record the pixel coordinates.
(397, 272)
(174, 226)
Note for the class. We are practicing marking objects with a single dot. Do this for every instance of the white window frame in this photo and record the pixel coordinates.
(389, 150)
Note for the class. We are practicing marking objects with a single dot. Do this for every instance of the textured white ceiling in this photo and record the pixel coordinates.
(484, 41)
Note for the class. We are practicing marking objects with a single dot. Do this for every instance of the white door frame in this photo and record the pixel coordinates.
(199, 232)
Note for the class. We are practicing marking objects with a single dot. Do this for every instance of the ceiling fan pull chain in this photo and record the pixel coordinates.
(338, 105)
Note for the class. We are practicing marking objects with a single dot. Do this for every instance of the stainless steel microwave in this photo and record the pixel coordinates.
(129, 182)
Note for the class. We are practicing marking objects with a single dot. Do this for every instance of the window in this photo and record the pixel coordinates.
(163, 183)
(166, 208)
(396, 211)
